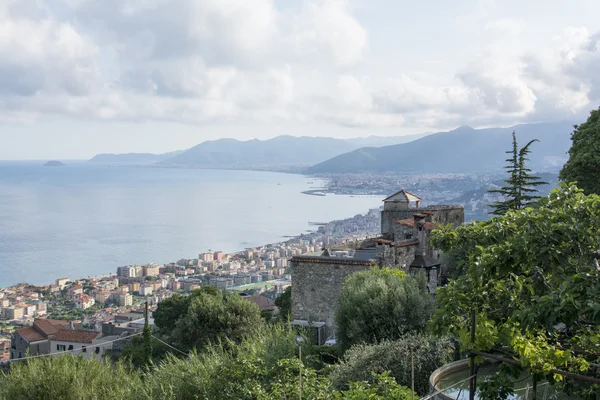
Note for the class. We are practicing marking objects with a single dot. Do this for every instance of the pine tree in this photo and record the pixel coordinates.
(520, 185)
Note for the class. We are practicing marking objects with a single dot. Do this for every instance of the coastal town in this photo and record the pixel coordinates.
(98, 311)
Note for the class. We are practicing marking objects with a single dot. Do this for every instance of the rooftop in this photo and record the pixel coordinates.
(429, 226)
(403, 196)
(77, 336)
(347, 256)
(31, 335)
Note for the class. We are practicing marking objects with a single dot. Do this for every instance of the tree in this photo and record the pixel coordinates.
(428, 352)
(380, 304)
(520, 184)
(212, 317)
(284, 303)
(532, 279)
(583, 166)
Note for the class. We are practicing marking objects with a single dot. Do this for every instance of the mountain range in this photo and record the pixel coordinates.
(462, 150)
(279, 151)
(133, 158)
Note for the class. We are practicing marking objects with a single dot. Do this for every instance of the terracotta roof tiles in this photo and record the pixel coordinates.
(31, 335)
(78, 336)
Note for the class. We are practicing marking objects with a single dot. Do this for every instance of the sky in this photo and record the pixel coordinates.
(81, 77)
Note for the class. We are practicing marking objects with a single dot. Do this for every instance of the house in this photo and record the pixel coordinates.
(88, 344)
(264, 303)
(61, 282)
(36, 339)
(83, 301)
(76, 290)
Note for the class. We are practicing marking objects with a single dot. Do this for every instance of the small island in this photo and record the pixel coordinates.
(54, 164)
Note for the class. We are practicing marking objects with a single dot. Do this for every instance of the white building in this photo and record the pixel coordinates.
(84, 301)
(146, 290)
(88, 344)
(125, 299)
(281, 262)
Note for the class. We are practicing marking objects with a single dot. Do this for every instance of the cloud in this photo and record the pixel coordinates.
(209, 61)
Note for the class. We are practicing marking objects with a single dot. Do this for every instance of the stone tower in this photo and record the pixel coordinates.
(399, 206)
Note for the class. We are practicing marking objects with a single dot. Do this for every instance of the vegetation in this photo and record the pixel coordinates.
(263, 367)
(427, 351)
(207, 316)
(284, 303)
(69, 378)
(520, 185)
(532, 279)
(381, 304)
(583, 166)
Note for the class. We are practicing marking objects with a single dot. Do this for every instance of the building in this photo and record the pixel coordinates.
(151, 270)
(218, 256)
(127, 271)
(206, 257)
(317, 278)
(76, 290)
(36, 339)
(61, 282)
(87, 344)
(13, 312)
(281, 263)
(134, 287)
(83, 302)
(146, 290)
(124, 299)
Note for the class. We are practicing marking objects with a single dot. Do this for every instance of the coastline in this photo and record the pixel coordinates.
(289, 240)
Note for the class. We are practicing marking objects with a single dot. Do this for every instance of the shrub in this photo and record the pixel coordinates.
(429, 353)
(381, 304)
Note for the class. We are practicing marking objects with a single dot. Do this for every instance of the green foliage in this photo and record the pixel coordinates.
(583, 166)
(69, 378)
(381, 304)
(207, 316)
(429, 353)
(530, 276)
(520, 184)
(265, 366)
(284, 303)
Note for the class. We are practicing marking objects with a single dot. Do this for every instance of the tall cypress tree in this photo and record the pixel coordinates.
(520, 185)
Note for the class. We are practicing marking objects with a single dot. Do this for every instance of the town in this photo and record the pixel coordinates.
(98, 311)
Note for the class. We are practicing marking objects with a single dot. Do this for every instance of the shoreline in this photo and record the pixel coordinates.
(287, 240)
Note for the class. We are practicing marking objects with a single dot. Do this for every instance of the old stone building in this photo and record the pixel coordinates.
(317, 279)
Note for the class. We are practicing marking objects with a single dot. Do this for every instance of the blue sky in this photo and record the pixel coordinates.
(79, 77)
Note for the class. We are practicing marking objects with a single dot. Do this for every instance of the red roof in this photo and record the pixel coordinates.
(429, 226)
(66, 335)
(49, 326)
(264, 303)
(31, 335)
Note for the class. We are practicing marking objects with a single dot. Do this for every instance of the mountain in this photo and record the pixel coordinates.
(379, 141)
(462, 150)
(133, 158)
(280, 151)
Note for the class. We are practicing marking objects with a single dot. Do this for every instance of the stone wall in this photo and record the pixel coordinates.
(389, 218)
(317, 287)
(444, 215)
(394, 256)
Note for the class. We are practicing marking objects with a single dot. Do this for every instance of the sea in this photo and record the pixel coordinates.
(85, 220)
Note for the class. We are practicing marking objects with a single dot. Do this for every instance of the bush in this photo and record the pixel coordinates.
(69, 378)
(381, 304)
(429, 353)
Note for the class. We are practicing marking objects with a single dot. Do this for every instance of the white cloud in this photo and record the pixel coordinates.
(208, 61)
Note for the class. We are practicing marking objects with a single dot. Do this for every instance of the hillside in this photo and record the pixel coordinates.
(133, 158)
(281, 150)
(463, 150)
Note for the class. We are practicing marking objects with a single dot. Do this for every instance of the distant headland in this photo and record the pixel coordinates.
(54, 164)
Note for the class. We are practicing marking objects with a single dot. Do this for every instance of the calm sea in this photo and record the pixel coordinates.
(85, 220)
